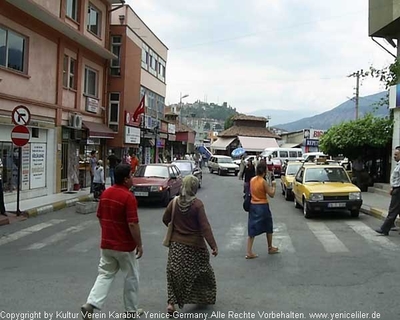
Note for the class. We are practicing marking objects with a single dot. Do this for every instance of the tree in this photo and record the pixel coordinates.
(357, 137)
(229, 122)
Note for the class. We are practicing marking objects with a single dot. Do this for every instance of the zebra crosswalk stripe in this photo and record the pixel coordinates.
(328, 239)
(281, 239)
(28, 231)
(85, 246)
(60, 236)
(235, 236)
(371, 236)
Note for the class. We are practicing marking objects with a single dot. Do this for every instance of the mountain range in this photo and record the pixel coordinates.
(323, 121)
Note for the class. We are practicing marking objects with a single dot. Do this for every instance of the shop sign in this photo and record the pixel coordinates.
(38, 165)
(163, 135)
(130, 121)
(313, 134)
(312, 143)
(160, 143)
(92, 105)
(25, 167)
(172, 137)
(132, 135)
(171, 128)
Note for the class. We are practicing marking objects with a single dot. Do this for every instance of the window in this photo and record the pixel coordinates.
(90, 82)
(145, 56)
(72, 9)
(69, 67)
(161, 69)
(94, 20)
(116, 49)
(12, 50)
(113, 112)
(283, 154)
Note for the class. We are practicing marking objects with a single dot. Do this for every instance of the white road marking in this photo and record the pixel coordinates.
(327, 238)
(85, 246)
(281, 239)
(371, 236)
(60, 235)
(236, 236)
(28, 231)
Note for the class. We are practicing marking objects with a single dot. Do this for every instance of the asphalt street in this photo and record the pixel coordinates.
(331, 264)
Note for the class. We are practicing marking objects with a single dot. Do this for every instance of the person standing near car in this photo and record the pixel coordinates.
(121, 245)
(394, 207)
(248, 173)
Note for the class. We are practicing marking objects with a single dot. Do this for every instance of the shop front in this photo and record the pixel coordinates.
(37, 162)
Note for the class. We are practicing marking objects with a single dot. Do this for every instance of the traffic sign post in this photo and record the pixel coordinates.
(20, 136)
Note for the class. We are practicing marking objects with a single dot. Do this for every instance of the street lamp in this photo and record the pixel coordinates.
(180, 106)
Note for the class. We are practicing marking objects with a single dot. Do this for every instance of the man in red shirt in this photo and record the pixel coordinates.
(121, 244)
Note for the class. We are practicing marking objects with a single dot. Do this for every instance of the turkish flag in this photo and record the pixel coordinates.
(139, 110)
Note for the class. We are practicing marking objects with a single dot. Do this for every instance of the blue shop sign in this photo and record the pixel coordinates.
(311, 143)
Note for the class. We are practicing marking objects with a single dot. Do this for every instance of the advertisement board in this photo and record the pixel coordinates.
(38, 165)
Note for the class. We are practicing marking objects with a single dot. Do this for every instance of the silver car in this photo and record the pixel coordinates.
(222, 165)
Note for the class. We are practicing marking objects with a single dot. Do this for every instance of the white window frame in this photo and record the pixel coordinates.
(116, 44)
(113, 102)
(145, 56)
(24, 54)
(99, 15)
(161, 69)
(74, 12)
(69, 74)
(86, 79)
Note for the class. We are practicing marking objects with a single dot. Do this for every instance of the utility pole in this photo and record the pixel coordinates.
(357, 98)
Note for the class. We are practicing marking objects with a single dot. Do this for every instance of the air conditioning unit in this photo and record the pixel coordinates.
(75, 121)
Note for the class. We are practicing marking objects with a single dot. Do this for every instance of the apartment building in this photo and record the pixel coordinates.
(139, 70)
(54, 57)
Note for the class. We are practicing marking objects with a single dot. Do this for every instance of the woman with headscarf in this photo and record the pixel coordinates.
(190, 277)
(260, 217)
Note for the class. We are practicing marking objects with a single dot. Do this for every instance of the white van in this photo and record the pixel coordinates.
(283, 153)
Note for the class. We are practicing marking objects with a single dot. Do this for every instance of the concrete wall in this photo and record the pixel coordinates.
(52, 6)
(382, 17)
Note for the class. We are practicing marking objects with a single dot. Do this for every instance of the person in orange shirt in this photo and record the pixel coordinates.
(134, 162)
(260, 217)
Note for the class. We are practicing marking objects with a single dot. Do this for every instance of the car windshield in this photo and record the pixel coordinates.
(184, 166)
(326, 175)
(152, 171)
(225, 160)
(292, 169)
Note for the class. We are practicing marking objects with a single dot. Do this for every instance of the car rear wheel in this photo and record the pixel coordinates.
(283, 189)
(296, 205)
(355, 213)
(219, 172)
(200, 182)
(306, 211)
(167, 199)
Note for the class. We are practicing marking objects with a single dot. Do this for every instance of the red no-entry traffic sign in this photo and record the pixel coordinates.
(20, 135)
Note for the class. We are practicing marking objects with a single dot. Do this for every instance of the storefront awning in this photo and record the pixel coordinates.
(255, 144)
(222, 143)
(98, 130)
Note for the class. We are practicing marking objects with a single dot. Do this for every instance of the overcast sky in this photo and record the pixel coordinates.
(264, 54)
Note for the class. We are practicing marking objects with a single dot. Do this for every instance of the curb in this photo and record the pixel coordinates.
(34, 212)
(375, 212)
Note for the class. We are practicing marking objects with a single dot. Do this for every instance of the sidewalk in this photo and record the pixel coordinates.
(375, 204)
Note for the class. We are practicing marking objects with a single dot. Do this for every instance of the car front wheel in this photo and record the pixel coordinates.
(306, 211)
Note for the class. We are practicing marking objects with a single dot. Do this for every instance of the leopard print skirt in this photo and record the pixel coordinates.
(190, 277)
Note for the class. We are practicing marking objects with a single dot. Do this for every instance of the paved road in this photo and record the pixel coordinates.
(329, 264)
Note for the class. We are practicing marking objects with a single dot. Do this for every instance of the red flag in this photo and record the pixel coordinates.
(139, 110)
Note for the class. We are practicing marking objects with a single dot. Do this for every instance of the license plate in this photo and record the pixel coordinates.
(336, 205)
(141, 194)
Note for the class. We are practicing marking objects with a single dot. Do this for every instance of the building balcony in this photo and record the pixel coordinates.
(42, 14)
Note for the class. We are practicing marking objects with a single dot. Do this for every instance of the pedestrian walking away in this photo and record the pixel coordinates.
(190, 277)
(121, 245)
(248, 173)
(93, 164)
(260, 217)
(394, 206)
(98, 180)
(113, 161)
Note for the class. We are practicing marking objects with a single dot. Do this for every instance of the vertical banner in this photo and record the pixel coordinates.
(38, 165)
(25, 163)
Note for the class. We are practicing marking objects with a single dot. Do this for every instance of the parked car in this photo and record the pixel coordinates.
(325, 187)
(222, 165)
(287, 178)
(188, 167)
(156, 182)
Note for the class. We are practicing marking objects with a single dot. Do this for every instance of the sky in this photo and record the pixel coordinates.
(265, 54)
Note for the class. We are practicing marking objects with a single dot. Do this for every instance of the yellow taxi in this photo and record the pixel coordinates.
(322, 187)
(287, 177)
